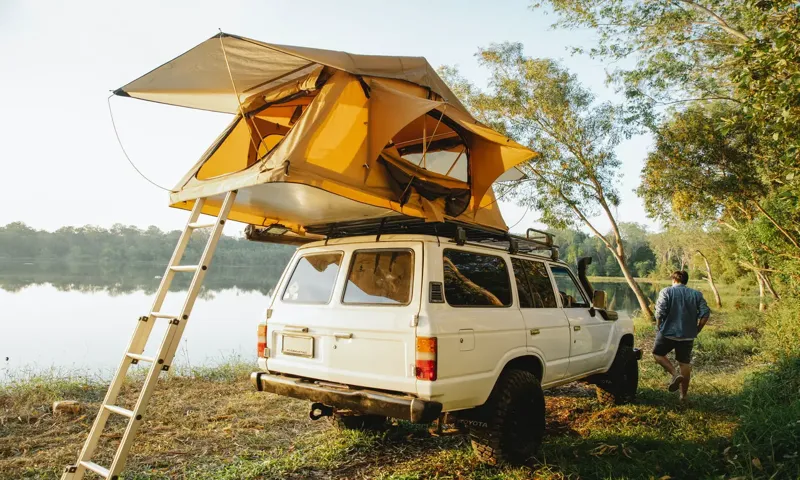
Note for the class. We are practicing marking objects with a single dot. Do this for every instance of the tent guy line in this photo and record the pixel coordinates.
(124, 152)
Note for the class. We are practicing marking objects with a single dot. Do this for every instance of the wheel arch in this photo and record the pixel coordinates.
(626, 340)
(529, 363)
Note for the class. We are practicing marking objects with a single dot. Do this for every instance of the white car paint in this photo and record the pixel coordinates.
(374, 346)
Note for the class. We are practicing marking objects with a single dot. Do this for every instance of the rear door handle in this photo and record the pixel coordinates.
(342, 335)
(296, 329)
(535, 331)
(576, 327)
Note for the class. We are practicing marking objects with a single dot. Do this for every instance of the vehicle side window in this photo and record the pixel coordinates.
(380, 277)
(571, 296)
(523, 288)
(475, 280)
(540, 289)
(313, 278)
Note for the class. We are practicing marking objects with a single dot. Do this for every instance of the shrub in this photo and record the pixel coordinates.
(781, 331)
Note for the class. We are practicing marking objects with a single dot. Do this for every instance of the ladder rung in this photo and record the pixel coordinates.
(162, 315)
(102, 471)
(119, 410)
(140, 358)
(196, 225)
(184, 268)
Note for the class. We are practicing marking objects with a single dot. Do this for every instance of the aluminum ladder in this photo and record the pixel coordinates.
(163, 359)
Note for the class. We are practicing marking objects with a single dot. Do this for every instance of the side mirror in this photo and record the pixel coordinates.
(599, 299)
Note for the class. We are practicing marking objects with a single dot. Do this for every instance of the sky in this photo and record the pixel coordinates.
(61, 163)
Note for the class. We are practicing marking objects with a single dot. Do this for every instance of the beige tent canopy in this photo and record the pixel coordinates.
(321, 137)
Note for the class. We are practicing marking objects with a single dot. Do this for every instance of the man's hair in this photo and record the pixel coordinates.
(680, 276)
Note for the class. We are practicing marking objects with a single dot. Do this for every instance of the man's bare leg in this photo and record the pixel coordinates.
(677, 379)
(686, 373)
(665, 363)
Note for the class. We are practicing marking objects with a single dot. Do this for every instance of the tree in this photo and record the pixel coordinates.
(746, 53)
(731, 69)
(539, 103)
(698, 172)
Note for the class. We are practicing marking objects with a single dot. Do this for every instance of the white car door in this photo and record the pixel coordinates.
(590, 333)
(548, 331)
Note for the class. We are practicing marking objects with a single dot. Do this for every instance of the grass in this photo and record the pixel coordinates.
(743, 422)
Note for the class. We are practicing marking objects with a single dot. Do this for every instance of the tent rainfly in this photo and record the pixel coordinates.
(321, 137)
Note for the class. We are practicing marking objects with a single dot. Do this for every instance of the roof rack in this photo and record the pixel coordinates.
(534, 240)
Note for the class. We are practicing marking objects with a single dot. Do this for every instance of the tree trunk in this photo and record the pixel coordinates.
(711, 281)
(768, 284)
(618, 252)
(761, 305)
(643, 303)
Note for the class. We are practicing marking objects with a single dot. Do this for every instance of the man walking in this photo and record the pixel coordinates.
(681, 313)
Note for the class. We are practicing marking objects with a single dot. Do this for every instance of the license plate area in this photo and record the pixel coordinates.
(298, 345)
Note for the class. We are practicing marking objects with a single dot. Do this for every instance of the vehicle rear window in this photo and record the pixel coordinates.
(313, 278)
(475, 280)
(380, 277)
(533, 284)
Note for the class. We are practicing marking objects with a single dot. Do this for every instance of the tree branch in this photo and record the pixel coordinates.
(720, 21)
(774, 222)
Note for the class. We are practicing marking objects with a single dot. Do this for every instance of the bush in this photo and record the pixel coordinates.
(781, 331)
(770, 401)
(770, 421)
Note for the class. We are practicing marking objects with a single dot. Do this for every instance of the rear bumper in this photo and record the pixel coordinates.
(403, 407)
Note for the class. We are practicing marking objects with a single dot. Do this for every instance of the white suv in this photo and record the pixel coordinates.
(410, 326)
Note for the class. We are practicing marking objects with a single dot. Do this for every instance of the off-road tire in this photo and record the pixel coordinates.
(619, 385)
(349, 421)
(509, 427)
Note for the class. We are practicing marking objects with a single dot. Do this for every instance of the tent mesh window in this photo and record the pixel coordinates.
(431, 143)
(250, 140)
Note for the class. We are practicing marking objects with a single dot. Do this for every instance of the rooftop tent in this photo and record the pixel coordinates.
(320, 136)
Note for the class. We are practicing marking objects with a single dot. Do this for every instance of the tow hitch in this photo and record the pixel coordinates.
(319, 410)
(637, 353)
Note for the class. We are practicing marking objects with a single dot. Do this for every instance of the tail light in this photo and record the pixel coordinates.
(262, 340)
(426, 358)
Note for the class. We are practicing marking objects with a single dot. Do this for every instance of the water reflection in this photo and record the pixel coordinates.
(620, 297)
(121, 280)
(80, 316)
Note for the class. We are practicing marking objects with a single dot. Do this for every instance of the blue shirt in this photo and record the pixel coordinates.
(678, 309)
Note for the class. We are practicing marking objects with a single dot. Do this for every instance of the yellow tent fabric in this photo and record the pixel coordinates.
(323, 137)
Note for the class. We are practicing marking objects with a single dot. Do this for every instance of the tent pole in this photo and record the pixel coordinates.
(239, 101)
(441, 114)
(424, 145)
(455, 161)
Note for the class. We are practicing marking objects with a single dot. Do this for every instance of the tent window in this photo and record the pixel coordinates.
(236, 151)
(268, 143)
(443, 151)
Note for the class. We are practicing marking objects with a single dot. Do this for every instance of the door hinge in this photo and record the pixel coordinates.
(415, 320)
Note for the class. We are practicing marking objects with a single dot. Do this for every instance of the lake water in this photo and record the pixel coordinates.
(80, 317)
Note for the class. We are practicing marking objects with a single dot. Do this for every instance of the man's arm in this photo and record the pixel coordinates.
(703, 312)
(662, 308)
